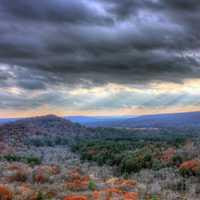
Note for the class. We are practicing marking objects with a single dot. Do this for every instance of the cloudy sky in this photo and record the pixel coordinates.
(99, 57)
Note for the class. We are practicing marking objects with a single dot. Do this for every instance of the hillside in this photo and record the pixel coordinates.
(53, 158)
(178, 120)
(51, 126)
(52, 129)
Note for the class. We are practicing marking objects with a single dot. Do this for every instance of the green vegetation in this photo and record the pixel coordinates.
(186, 172)
(154, 198)
(42, 196)
(31, 160)
(11, 158)
(92, 185)
(128, 155)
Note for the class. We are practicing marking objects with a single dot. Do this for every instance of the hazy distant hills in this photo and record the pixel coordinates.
(6, 120)
(189, 119)
(51, 126)
(104, 128)
(84, 120)
(87, 120)
(78, 127)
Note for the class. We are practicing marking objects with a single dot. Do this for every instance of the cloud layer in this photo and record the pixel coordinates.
(93, 43)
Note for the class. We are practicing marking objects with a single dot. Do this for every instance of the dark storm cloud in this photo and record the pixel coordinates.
(51, 43)
(57, 11)
(14, 76)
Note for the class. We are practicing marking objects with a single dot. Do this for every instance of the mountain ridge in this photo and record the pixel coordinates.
(49, 125)
(185, 119)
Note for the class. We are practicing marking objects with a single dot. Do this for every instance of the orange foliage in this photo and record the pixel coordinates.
(131, 196)
(96, 194)
(107, 194)
(5, 193)
(121, 183)
(111, 193)
(77, 182)
(76, 197)
(27, 193)
(193, 165)
(114, 190)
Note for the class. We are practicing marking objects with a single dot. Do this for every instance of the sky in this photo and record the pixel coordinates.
(99, 57)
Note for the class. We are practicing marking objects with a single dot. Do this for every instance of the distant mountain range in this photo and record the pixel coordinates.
(18, 131)
(189, 119)
(85, 120)
(25, 130)
(6, 120)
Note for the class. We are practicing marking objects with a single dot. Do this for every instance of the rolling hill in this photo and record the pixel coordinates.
(189, 119)
(50, 125)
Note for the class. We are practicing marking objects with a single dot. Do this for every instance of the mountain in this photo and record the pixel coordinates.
(189, 119)
(51, 126)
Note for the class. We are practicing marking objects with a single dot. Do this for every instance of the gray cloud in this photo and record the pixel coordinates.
(59, 11)
(95, 42)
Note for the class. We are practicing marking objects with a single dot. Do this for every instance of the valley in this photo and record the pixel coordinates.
(49, 157)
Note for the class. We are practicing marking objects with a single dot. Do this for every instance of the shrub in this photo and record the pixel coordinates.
(5, 193)
(41, 196)
(154, 198)
(185, 172)
(92, 185)
(189, 168)
(32, 160)
(12, 158)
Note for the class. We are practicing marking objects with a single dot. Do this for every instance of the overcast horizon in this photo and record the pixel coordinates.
(99, 57)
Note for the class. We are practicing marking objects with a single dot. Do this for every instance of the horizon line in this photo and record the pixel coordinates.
(124, 115)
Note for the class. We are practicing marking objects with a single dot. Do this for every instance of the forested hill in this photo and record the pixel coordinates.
(50, 129)
(56, 128)
(50, 125)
